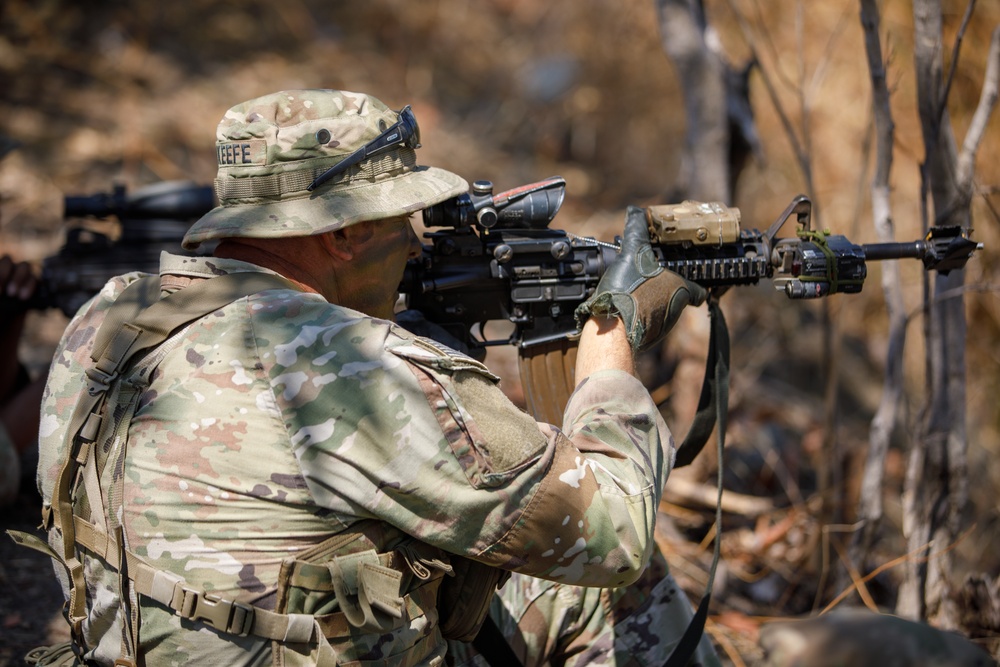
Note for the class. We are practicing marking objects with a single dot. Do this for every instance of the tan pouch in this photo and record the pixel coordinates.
(58, 655)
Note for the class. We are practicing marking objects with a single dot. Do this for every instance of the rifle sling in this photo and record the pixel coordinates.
(713, 409)
(714, 399)
(494, 647)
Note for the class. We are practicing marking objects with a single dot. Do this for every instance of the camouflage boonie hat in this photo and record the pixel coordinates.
(272, 148)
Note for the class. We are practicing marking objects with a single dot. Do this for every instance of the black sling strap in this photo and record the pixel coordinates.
(494, 647)
(713, 407)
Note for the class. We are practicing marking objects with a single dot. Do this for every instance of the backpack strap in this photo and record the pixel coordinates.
(137, 321)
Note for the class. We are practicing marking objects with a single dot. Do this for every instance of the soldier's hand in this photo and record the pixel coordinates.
(17, 279)
(648, 298)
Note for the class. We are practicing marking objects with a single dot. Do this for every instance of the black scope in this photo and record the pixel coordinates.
(531, 206)
(171, 200)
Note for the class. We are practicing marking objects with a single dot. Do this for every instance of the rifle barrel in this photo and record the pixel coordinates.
(878, 251)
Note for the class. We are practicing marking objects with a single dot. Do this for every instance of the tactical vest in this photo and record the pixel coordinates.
(370, 578)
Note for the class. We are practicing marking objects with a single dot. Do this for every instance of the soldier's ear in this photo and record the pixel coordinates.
(338, 244)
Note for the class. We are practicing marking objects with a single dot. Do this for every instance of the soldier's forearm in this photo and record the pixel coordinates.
(603, 346)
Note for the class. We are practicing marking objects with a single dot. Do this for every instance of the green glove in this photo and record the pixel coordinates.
(635, 288)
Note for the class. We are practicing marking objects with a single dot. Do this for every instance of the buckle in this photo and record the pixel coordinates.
(223, 615)
(99, 381)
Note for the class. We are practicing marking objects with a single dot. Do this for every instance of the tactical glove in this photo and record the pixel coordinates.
(648, 298)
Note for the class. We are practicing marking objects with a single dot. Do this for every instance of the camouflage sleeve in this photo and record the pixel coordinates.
(594, 505)
(429, 443)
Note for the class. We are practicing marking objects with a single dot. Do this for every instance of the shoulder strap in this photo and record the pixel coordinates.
(138, 320)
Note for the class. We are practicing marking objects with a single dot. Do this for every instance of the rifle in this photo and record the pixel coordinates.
(496, 258)
(150, 220)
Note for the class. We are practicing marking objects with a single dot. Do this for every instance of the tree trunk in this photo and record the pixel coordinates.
(704, 173)
(882, 425)
(719, 139)
(936, 489)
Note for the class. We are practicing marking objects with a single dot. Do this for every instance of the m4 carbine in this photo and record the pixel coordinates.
(496, 258)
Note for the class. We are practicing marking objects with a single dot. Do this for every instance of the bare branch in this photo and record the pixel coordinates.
(705, 173)
(800, 154)
(954, 58)
(987, 101)
(819, 73)
(800, 89)
(870, 501)
(771, 48)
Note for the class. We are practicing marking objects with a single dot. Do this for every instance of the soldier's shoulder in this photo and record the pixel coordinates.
(432, 355)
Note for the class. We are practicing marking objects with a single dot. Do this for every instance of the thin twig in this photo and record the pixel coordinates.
(954, 61)
(953, 294)
(800, 88)
(992, 208)
(899, 561)
(859, 585)
(800, 155)
(819, 73)
(712, 628)
(769, 43)
(825, 542)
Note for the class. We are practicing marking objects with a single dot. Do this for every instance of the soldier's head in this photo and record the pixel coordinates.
(309, 162)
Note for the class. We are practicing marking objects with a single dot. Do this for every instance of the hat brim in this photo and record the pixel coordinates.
(329, 208)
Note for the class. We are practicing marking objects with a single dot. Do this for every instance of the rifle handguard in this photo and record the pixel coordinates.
(648, 298)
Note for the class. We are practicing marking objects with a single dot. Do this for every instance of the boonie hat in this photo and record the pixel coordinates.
(272, 149)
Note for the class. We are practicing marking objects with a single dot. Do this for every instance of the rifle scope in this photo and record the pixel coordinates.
(531, 206)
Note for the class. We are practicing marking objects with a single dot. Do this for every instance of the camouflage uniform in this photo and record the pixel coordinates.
(281, 420)
(262, 435)
(548, 623)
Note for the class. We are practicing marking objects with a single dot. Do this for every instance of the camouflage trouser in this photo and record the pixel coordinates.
(552, 624)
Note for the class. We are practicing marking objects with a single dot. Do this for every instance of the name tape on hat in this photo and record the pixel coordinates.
(235, 153)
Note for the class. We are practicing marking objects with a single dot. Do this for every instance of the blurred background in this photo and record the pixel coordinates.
(98, 92)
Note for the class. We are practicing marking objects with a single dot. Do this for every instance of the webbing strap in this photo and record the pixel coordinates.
(216, 611)
(136, 321)
(717, 384)
(84, 425)
(155, 324)
(193, 604)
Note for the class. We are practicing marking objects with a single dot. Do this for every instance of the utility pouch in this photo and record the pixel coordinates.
(57, 655)
(464, 598)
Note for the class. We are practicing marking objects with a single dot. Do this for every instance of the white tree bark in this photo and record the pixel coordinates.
(882, 425)
(936, 488)
(705, 173)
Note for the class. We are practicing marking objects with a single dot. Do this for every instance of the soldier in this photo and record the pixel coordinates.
(19, 393)
(264, 468)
